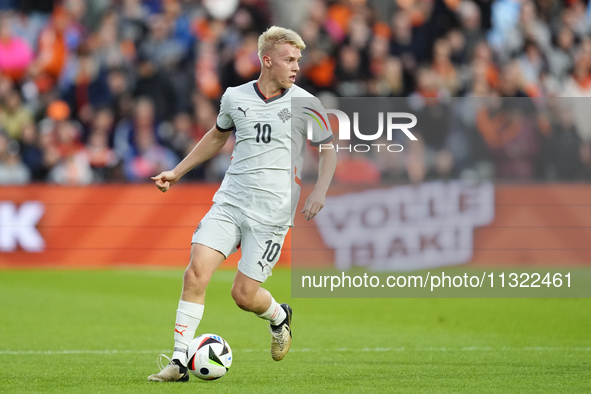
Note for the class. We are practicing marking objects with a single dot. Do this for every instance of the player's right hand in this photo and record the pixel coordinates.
(165, 180)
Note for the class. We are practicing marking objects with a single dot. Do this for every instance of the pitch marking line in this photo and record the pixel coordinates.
(303, 350)
(51, 352)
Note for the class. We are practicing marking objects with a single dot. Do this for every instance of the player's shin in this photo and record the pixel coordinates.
(275, 314)
(188, 316)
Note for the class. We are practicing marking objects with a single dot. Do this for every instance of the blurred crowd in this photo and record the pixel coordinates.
(119, 90)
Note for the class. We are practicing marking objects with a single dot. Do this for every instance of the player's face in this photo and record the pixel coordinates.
(284, 64)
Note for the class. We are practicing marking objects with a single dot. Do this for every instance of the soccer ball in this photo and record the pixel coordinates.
(209, 357)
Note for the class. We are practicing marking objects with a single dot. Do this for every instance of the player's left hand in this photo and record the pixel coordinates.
(165, 180)
(313, 205)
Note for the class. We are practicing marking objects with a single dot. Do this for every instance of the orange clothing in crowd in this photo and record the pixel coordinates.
(52, 52)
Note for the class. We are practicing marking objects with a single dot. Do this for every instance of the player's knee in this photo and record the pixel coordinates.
(242, 299)
(195, 278)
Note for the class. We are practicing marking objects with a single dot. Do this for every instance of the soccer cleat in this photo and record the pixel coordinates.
(281, 336)
(173, 372)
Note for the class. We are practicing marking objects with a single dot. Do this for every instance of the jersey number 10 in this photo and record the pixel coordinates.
(263, 133)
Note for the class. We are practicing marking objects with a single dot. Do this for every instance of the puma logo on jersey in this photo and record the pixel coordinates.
(262, 266)
(180, 332)
(243, 110)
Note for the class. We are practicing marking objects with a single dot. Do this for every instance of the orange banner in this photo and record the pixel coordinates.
(436, 224)
(537, 225)
(102, 226)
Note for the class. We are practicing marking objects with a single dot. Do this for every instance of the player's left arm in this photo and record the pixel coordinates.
(326, 167)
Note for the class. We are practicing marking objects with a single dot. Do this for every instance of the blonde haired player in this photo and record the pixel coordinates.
(254, 206)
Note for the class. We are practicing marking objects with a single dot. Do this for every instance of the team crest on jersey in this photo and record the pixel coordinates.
(284, 115)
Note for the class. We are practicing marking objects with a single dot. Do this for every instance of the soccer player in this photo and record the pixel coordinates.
(255, 204)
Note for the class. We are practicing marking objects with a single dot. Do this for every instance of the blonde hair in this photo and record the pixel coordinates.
(275, 36)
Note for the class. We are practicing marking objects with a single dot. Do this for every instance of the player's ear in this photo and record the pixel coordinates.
(267, 61)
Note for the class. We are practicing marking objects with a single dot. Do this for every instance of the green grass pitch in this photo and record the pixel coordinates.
(101, 331)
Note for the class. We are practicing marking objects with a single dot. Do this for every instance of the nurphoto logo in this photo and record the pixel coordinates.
(344, 133)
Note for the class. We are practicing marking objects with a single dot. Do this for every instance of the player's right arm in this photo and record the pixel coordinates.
(210, 144)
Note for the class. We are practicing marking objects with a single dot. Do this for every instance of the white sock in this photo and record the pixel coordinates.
(188, 317)
(275, 314)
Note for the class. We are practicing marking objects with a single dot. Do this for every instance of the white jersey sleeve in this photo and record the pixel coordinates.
(321, 131)
(224, 121)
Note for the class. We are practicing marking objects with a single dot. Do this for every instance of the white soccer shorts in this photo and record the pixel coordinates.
(225, 228)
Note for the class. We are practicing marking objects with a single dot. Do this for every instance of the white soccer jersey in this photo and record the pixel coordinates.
(268, 155)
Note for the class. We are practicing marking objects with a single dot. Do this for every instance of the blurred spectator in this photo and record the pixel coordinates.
(511, 82)
(510, 132)
(154, 83)
(113, 45)
(578, 87)
(575, 17)
(378, 53)
(120, 89)
(471, 154)
(319, 69)
(578, 84)
(182, 136)
(103, 122)
(560, 56)
(472, 32)
(457, 47)
(133, 20)
(483, 65)
(564, 152)
(52, 50)
(245, 66)
(292, 14)
(12, 170)
(68, 138)
(29, 24)
(443, 67)
(180, 22)
(32, 155)
(71, 164)
(60, 142)
(16, 55)
(389, 80)
(143, 117)
(429, 104)
(392, 166)
(161, 47)
(531, 64)
(14, 116)
(529, 27)
(403, 45)
(349, 73)
(90, 12)
(504, 17)
(86, 87)
(148, 157)
(74, 169)
(101, 157)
